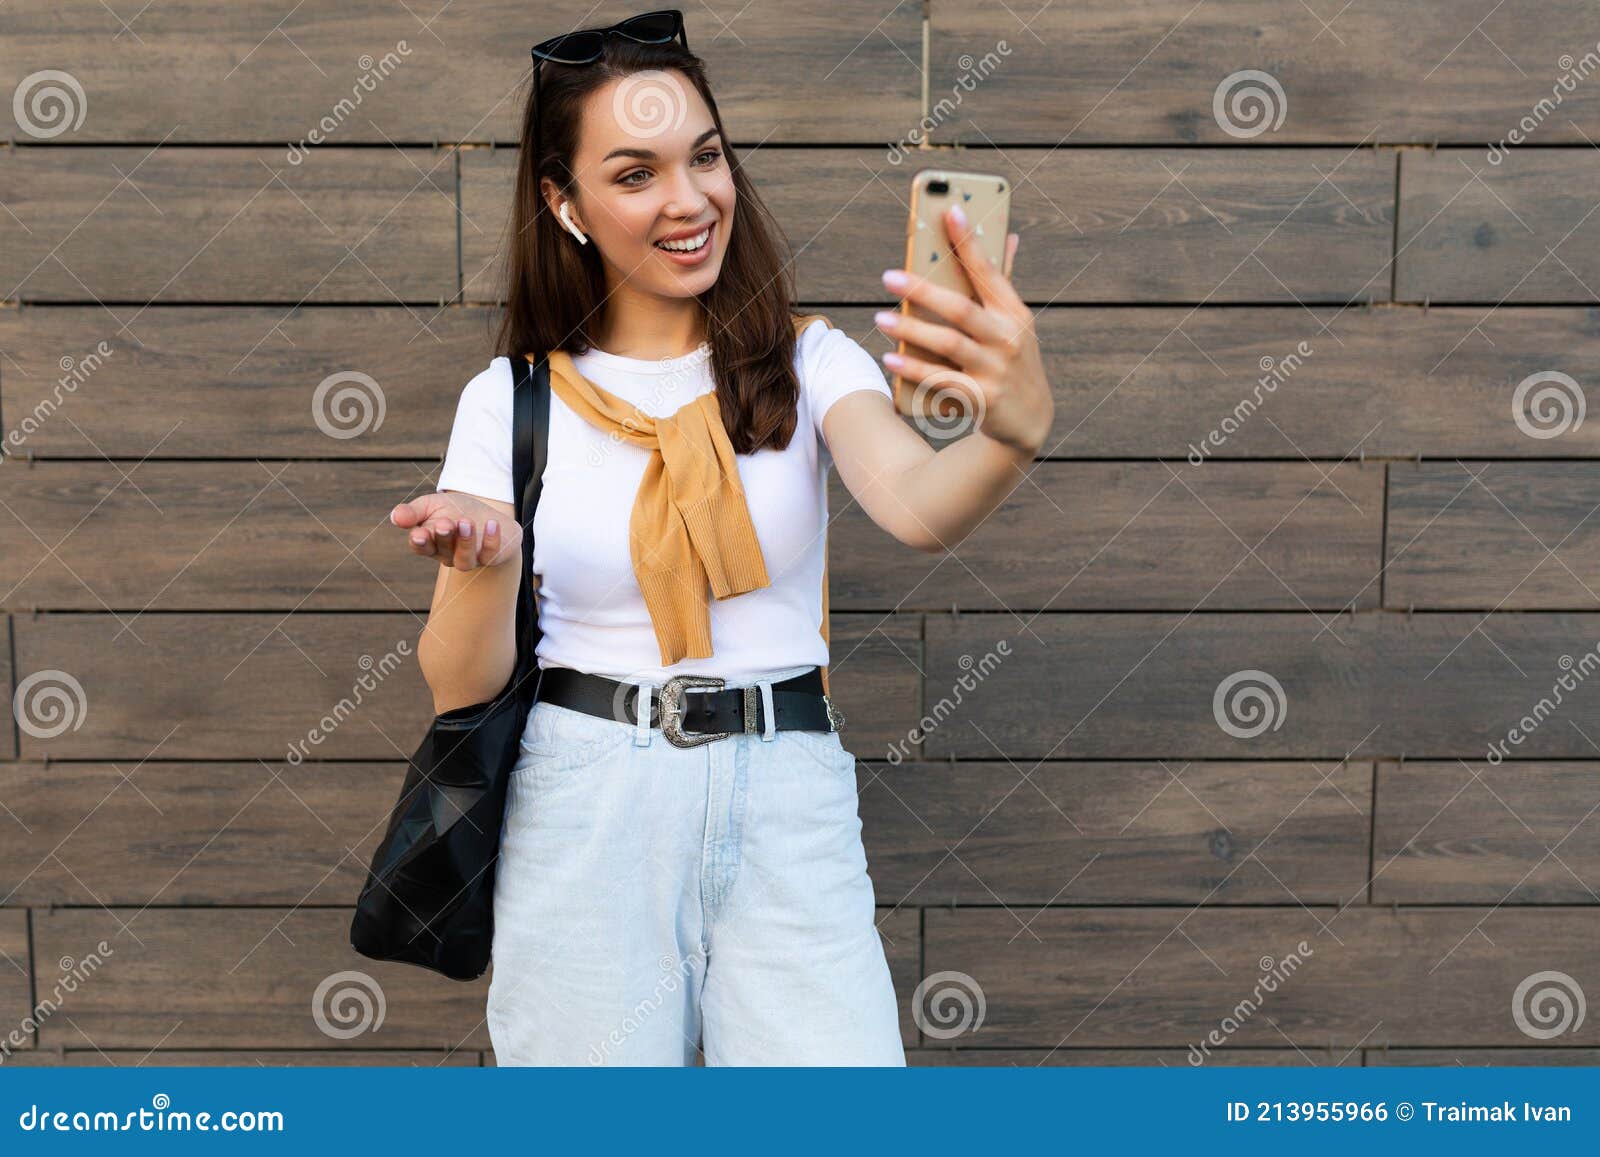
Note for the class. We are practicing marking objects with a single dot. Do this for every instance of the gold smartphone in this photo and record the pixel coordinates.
(986, 200)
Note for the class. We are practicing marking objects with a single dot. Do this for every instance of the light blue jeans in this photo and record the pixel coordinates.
(651, 899)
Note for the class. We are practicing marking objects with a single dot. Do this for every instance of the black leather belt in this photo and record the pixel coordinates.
(693, 709)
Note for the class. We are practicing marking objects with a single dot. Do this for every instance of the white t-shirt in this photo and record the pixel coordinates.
(591, 611)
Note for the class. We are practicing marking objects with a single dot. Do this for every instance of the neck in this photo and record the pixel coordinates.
(649, 327)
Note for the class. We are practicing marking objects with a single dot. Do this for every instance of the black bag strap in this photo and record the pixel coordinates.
(530, 450)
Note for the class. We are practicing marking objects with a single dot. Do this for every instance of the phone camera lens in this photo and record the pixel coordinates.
(939, 188)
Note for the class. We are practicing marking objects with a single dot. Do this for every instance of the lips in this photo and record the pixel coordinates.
(692, 257)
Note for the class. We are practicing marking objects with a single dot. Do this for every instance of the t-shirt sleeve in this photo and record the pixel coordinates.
(478, 460)
(837, 365)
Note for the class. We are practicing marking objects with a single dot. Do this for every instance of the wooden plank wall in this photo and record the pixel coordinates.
(1072, 819)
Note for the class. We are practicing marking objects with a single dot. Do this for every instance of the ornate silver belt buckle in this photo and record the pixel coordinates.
(835, 716)
(672, 710)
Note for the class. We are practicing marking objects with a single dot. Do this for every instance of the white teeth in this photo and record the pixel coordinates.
(688, 246)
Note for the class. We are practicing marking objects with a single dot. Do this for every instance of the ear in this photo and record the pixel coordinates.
(553, 197)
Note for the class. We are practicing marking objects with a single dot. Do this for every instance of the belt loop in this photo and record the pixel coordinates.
(769, 716)
(641, 727)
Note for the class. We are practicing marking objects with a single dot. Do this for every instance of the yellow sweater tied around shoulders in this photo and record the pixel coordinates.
(690, 528)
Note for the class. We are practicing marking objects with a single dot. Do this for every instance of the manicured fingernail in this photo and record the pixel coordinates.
(893, 361)
(492, 528)
(464, 528)
(955, 211)
(420, 539)
(886, 318)
(895, 278)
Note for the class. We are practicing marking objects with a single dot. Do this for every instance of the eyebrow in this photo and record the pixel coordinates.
(647, 155)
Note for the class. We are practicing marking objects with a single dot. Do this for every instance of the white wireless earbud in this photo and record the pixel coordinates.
(571, 228)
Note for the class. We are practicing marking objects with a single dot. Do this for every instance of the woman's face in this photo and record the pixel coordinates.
(650, 166)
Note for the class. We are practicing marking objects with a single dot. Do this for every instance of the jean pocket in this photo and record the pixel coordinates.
(826, 748)
(557, 741)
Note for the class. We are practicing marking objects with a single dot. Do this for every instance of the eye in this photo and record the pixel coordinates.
(714, 154)
(627, 178)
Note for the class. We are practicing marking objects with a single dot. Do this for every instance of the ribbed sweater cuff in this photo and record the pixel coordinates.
(678, 614)
(720, 527)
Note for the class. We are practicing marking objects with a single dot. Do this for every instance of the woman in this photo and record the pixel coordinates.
(676, 877)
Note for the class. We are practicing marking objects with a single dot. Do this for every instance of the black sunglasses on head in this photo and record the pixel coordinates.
(586, 45)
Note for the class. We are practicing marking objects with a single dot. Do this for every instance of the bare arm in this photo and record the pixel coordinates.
(933, 499)
(468, 649)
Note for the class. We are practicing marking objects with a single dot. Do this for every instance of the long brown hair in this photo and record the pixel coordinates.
(555, 288)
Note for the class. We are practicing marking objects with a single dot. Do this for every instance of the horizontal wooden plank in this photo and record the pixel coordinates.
(190, 536)
(16, 1001)
(1516, 230)
(1206, 384)
(1479, 833)
(1428, 70)
(191, 833)
(1102, 833)
(1263, 686)
(1137, 1058)
(227, 224)
(236, 382)
(246, 978)
(1136, 535)
(342, 686)
(1251, 225)
(93, 1058)
(901, 932)
(1502, 535)
(1479, 1057)
(1116, 977)
(8, 735)
(371, 72)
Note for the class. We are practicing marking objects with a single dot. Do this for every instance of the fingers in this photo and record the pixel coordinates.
(957, 308)
(489, 553)
(465, 556)
(955, 346)
(964, 240)
(1012, 243)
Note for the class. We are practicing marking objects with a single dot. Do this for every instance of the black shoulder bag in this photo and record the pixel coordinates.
(429, 895)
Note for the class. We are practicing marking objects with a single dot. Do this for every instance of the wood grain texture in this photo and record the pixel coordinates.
(1136, 535)
(170, 834)
(117, 224)
(1478, 833)
(93, 1058)
(244, 978)
(236, 382)
(1163, 1058)
(1507, 535)
(1145, 686)
(1258, 225)
(1113, 977)
(1518, 230)
(1427, 70)
(16, 1002)
(8, 735)
(373, 73)
(1110, 833)
(173, 686)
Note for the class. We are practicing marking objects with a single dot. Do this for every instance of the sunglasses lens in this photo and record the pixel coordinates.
(573, 48)
(653, 27)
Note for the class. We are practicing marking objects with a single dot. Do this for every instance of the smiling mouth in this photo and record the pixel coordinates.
(689, 244)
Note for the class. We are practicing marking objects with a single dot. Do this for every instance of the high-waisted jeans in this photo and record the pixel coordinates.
(651, 900)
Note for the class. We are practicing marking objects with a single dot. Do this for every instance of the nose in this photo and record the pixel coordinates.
(688, 201)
